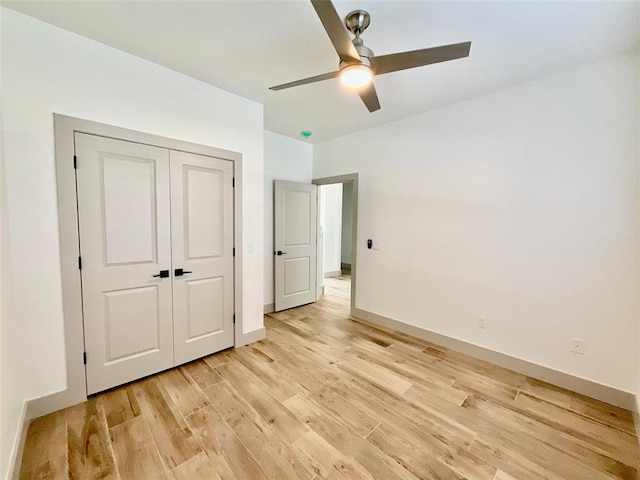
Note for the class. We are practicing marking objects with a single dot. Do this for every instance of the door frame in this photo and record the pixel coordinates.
(64, 129)
(347, 178)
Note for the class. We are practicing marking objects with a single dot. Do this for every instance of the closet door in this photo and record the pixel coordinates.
(202, 251)
(125, 242)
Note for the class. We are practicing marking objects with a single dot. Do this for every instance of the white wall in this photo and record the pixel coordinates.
(637, 417)
(5, 298)
(284, 159)
(347, 222)
(46, 70)
(331, 223)
(9, 412)
(521, 206)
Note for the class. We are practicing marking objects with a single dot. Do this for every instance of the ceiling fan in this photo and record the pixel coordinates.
(358, 65)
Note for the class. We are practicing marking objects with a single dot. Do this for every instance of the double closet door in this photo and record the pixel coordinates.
(156, 249)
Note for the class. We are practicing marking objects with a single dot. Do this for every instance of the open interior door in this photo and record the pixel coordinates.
(295, 211)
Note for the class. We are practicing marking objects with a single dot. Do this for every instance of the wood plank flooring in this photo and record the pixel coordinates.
(327, 398)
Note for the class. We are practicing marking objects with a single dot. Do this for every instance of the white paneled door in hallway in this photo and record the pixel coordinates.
(295, 231)
(156, 253)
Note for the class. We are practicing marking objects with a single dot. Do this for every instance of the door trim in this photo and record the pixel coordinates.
(64, 129)
(347, 178)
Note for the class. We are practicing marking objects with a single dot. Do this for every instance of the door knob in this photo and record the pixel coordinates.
(280, 252)
(179, 272)
(163, 274)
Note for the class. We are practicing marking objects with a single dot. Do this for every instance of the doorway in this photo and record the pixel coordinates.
(337, 238)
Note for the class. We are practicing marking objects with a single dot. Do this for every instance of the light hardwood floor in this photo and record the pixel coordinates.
(324, 397)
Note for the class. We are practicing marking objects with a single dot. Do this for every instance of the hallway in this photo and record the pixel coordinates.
(338, 289)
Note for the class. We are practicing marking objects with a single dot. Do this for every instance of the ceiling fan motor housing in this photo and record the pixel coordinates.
(362, 50)
(366, 54)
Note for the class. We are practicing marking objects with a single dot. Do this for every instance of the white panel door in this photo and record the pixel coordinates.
(295, 226)
(125, 242)
(202, 236)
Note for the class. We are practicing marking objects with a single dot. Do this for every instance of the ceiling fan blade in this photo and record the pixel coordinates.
(418, 58)
(304, 81)
(370, 97)
(336, 31)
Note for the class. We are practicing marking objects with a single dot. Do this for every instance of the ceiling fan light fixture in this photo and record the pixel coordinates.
(358, 64)
(356, 76)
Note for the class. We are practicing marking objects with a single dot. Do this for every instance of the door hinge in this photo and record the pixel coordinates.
(234, 251)
(79, 263)
(75, 162)
(233, 182)
(84, 357)
(234, 318)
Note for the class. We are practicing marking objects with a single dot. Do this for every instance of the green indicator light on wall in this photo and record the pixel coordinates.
(305, 133)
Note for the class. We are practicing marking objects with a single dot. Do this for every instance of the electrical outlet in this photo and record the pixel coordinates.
(251, 248)
(482, 322)
(577, 346)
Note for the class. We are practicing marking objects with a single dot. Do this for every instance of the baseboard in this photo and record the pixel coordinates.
(345, 267)
(52, 403)
(269, 308)
(251, 337)
(561, 379)
(18, 445)
(335, 273)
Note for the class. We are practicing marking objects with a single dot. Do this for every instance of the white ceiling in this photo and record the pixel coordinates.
(245, 47)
